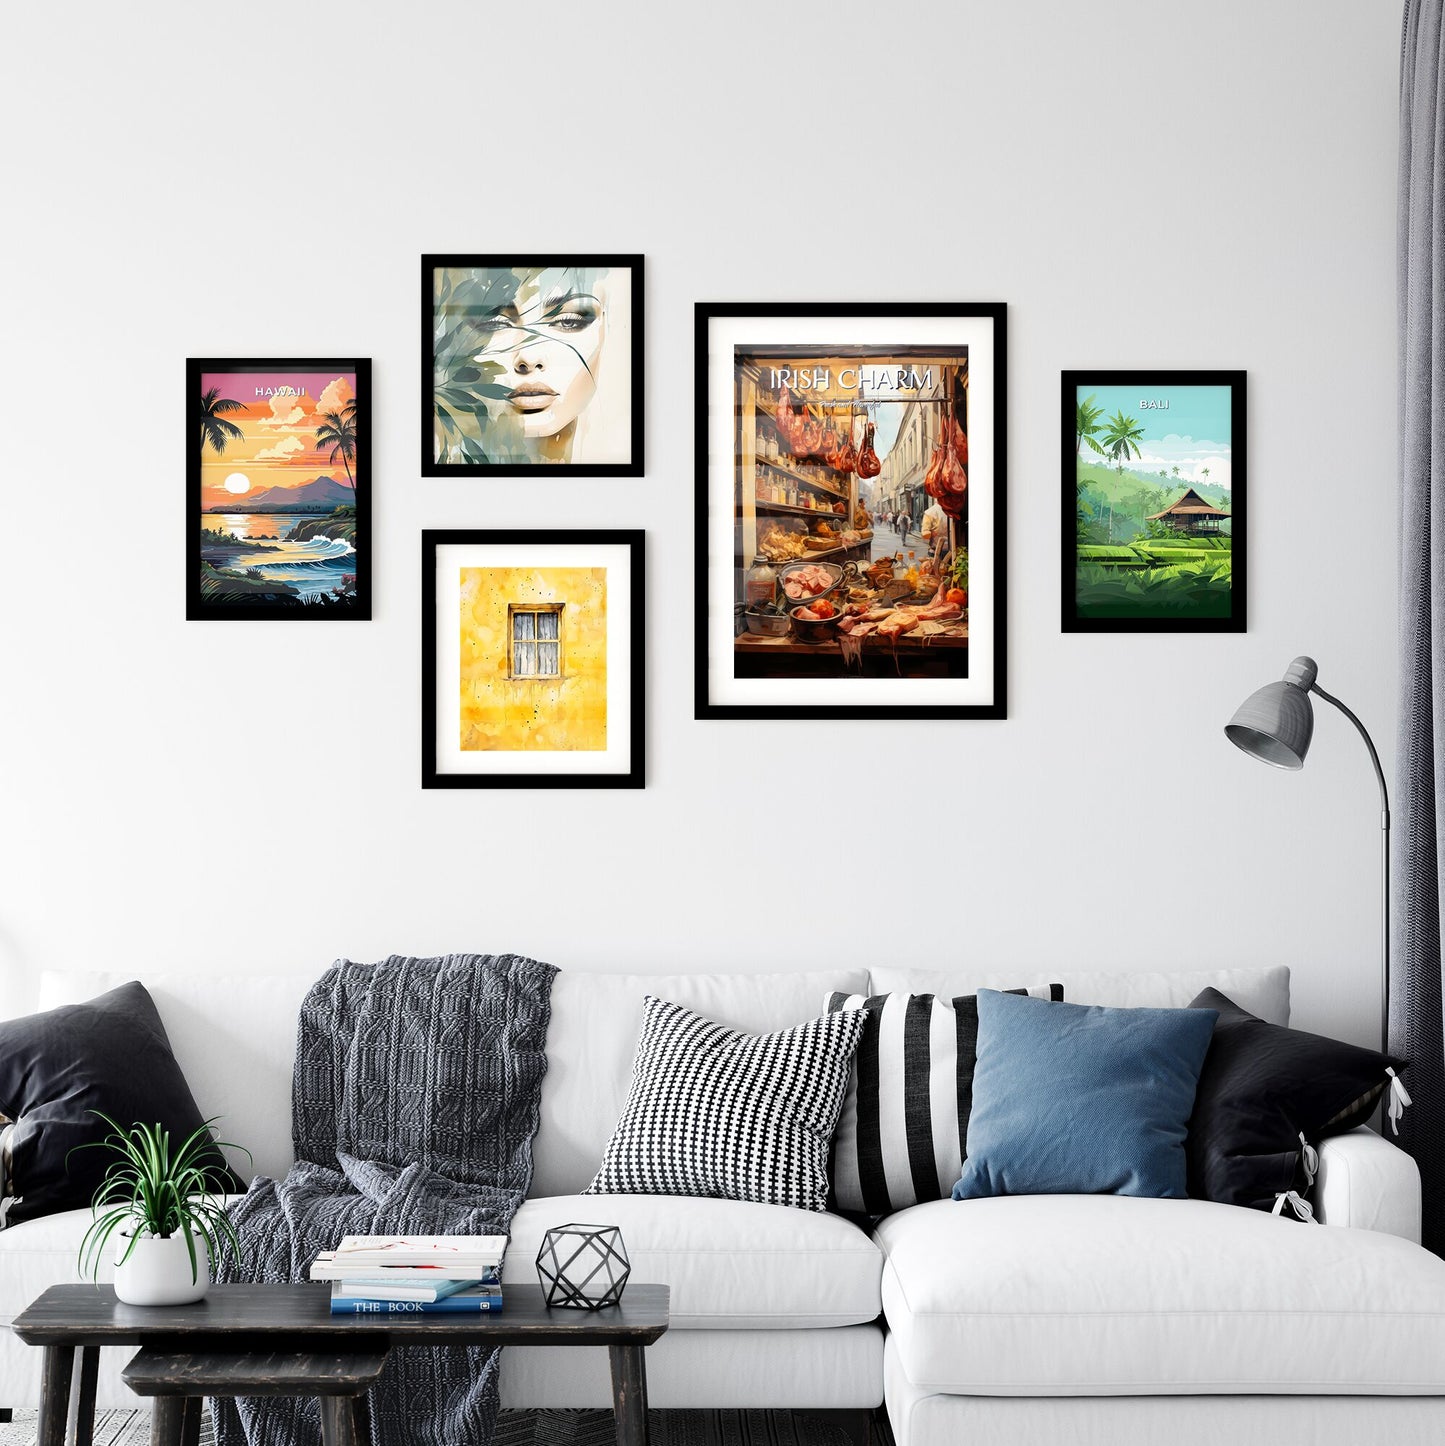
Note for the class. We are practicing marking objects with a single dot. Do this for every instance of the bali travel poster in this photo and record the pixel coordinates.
(1154, 502)
(279, 505)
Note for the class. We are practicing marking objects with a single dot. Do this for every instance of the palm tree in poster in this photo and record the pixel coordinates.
(1121, 440)
(1086, 424)
(215, 429)
(338, 432)
(1204, 474)
(1176, 469)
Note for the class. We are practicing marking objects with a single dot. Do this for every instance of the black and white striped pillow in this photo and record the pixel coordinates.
(717, 1112)
(903, 1131)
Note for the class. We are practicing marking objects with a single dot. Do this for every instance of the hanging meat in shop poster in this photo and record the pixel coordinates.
(850, 511)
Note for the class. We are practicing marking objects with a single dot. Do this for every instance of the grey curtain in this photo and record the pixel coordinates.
(1416, 1023)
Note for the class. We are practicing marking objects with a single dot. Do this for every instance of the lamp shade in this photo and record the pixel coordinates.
(1276, 722)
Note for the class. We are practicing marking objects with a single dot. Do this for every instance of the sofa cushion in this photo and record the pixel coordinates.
(590, 1043)
(1264, 992)
(1266, 1097)
(904, 1120)
(731, 1265)
(1080, 1099)
(69, 1078)
(722, 1113)
(234, 1037)
(1097, 1295)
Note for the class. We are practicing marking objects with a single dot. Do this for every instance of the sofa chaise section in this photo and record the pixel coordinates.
(1102, 1296)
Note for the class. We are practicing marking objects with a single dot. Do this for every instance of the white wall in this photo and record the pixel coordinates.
(1174, 185)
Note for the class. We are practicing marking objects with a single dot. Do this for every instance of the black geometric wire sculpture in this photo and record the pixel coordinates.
(583, 1267)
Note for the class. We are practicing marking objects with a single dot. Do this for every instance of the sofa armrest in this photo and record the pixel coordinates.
(1367, 1182)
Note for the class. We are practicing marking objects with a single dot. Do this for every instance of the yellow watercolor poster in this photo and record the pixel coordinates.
(533, 659)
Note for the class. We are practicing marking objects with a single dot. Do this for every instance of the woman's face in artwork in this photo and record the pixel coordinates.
(549, 341)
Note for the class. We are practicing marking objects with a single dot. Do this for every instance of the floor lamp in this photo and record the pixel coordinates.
(1275, 725)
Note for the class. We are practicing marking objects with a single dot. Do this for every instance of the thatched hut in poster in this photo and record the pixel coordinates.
(1191, 514)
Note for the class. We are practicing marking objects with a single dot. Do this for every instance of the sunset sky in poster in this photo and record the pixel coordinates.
(279, 448)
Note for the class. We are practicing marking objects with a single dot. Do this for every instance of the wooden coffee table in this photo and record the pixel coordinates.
(237, 1326)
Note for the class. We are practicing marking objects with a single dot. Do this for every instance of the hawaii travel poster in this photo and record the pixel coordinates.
(278, 495)
(1154, 502)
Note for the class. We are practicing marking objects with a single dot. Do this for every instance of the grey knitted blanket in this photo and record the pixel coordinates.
(415, 1098)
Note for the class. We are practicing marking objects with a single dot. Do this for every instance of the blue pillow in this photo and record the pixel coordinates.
(1074, 1099)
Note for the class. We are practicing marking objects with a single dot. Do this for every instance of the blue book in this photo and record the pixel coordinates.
(374, 1289)
(465, 1302)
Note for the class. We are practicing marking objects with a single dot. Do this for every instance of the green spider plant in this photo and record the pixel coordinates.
(155, 1191)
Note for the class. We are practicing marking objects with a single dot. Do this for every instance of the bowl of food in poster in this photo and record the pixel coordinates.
(805, 582)
(767, 624)
(817, 621)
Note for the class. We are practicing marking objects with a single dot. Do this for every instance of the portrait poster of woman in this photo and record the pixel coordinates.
(531, 362)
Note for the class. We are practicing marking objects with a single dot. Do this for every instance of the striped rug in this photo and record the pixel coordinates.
(541, 1428)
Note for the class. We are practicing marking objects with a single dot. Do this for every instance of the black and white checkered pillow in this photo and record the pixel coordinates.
(713, 1111)
(904, 1124)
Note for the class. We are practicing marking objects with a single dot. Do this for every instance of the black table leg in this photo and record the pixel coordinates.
(168, 1416)
(362, 1405)
(55, 1395)
(629, 1394)
(191, 1421)
(341, 1421)
(85, 1395)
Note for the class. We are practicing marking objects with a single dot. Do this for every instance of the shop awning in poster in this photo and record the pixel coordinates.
(870, 375)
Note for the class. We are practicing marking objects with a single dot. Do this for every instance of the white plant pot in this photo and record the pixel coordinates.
(158, 1271)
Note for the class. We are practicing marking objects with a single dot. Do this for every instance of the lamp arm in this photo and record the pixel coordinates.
(1384, 866)
(1369, 743)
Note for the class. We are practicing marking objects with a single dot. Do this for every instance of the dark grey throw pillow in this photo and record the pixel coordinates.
(1265, 1094)
(56, 1068)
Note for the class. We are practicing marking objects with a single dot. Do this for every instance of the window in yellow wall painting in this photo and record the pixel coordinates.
(536, 641)
(532, 647)
(519, 690)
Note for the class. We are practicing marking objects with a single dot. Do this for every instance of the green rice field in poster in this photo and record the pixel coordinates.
(1154, 502)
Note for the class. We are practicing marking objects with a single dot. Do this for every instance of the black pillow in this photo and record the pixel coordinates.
(1261, 1089)
(108, 1054)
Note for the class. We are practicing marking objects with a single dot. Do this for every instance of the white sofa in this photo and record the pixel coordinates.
(1022, 1320)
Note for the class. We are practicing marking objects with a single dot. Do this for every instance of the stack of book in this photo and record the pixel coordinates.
(400, 1274)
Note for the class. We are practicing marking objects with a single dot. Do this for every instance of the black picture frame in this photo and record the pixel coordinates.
(634, 467)
(357, 610)
(1071, 382)
(704, 708)
(635, 539)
